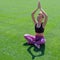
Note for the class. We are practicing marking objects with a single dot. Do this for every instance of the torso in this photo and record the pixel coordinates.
(39, 31)
(39, 34)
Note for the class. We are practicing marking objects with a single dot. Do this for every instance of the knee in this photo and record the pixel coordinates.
(43, 41)
(25, 35)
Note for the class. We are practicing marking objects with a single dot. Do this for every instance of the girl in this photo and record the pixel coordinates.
(38, 39)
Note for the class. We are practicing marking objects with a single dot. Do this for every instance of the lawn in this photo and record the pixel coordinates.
(15, 21)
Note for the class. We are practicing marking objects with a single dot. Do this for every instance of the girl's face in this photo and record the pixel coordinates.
(40, 17)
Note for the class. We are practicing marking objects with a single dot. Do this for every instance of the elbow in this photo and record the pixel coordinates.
(46, 16)
(32, 14)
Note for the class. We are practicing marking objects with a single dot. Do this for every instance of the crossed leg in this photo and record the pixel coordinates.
(30, 38)
(42, 41)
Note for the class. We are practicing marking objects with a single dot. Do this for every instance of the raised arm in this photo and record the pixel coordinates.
(33, 18)
(44, 13)
(45, 17)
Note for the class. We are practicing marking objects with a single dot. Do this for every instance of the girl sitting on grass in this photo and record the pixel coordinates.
(39, 38)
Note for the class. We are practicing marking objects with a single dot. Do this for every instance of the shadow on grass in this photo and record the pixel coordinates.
(41, 50)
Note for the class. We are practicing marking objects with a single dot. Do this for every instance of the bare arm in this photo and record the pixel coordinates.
(33, 18)
(45, 17)
(44, 13)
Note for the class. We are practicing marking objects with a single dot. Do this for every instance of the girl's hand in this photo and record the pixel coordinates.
(39, 6)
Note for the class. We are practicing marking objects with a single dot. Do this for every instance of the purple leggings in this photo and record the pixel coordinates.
(34, 39)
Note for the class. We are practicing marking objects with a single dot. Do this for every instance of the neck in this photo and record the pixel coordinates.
(39, 23)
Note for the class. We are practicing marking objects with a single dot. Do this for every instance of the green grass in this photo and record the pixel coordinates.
(15, 21)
